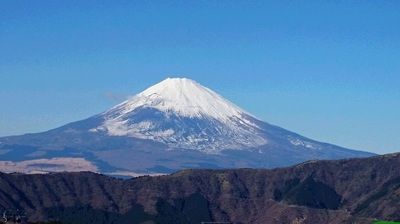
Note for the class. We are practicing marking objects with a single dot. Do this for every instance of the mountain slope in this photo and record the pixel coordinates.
(345, 191)
(172, 125)
(183, 114)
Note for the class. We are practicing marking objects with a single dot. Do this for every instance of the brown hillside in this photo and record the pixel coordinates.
(342, 191)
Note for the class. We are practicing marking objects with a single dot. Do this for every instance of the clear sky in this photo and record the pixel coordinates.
(328, 70)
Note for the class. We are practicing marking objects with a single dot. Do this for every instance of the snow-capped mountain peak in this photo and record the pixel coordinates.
(184, 97)
(184, 114)
(175, 124)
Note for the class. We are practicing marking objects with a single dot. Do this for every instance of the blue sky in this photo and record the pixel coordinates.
(329, 70)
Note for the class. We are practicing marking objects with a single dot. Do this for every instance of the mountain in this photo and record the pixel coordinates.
(172, 125)
(184, 115)
(341, 191)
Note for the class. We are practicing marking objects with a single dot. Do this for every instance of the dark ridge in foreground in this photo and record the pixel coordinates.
(343, 191)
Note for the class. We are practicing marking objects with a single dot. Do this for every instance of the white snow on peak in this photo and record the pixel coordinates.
(184, 97)
(223, 125)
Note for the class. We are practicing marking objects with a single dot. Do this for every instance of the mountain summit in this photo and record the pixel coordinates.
(184, 114)
(185, 98)
(172, 125)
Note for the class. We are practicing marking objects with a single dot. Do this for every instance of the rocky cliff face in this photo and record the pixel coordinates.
(342, 191)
